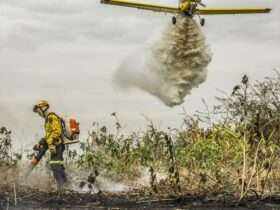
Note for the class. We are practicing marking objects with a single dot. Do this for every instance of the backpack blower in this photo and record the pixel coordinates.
(70, 135)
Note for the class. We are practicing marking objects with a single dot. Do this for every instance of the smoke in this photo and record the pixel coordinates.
(7, 117)
(173, 66)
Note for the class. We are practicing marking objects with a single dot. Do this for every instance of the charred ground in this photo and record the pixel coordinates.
(222, 158)
(28, 198)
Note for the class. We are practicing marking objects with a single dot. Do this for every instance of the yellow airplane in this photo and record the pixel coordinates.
(186, 8)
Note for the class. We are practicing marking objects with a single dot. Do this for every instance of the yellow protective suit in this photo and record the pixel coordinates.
(53, 129)
(56, 147)
(54, 143)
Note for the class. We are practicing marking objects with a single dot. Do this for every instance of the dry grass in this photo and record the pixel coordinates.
(237, 152)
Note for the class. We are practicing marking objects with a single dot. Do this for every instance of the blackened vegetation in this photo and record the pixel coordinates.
(233, 148)
(226, 156)
(29, 198)
(256, 105)
(5, 147)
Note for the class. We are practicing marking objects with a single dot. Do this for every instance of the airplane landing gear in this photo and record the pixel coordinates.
(174, 20)
(202, 22)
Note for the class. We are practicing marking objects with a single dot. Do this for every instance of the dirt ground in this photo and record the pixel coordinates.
(24, 198)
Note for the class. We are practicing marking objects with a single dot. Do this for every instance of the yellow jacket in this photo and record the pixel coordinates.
(53, 129)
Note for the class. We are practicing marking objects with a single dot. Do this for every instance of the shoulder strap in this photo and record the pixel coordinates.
(52, 114)
(62, 124)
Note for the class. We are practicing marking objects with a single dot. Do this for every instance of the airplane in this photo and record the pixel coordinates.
(187, 8)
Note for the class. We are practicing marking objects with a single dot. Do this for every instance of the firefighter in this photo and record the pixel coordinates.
(53, 141)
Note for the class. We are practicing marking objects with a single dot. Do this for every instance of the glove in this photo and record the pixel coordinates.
(36, 147)
(40, 145)
(42, 141)
(52, 149)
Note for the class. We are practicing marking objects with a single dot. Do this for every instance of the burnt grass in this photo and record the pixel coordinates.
(28, 198)
(239, 154)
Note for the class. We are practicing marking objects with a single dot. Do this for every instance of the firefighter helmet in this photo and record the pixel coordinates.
(41, 105)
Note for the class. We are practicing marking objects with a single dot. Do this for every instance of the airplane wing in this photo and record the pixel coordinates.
(231, 11)
(141, 5)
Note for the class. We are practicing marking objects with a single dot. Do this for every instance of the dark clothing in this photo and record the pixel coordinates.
(57, 166)
(41, 149)
(59, 174)
(58, 156)
(56, 161)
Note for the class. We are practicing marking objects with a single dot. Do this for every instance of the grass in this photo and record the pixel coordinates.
(232, 148)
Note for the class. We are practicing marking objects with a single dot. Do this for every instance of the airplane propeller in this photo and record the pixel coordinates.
(195, 3)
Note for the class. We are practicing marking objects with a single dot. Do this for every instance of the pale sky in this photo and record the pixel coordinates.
(66, 51)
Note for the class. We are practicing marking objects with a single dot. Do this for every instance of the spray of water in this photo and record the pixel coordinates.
(172, 67)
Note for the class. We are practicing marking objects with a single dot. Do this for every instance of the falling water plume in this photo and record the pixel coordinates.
(174, 66)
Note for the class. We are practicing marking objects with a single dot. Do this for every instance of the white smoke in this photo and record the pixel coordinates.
(172, 67)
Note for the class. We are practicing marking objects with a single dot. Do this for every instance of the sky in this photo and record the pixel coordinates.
(66, 51)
